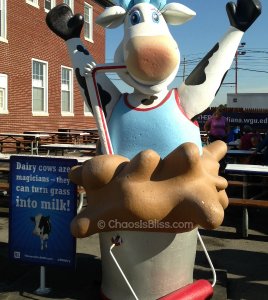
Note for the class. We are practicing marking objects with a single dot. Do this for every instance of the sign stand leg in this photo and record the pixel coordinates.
(42, 290)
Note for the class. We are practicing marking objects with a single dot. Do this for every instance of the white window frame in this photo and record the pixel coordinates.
(87, 113)
(70, 112)
(44, 112)
(71, 4)
(3, 87)
(53, 4)
(90, 21)
(33, 3)
(3, 27)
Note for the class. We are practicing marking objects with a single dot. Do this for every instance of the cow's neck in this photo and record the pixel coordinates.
(138, 99)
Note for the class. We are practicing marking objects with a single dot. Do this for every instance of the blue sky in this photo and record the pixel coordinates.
(199, 35)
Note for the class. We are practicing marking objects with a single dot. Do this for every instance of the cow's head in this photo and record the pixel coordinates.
(39, 221)
(150, 53)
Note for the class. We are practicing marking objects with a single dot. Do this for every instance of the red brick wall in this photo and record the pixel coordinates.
(29, 37)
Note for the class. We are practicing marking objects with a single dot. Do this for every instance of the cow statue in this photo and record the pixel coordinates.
(160, 171)
(42, 228)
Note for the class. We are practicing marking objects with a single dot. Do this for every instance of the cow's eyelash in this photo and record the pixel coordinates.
(157, 10)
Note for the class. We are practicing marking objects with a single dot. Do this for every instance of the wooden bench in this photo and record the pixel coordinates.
(4, 186)
(19, 146)
(5, 172)
(245, 203)
(248, 202)
(249, 184)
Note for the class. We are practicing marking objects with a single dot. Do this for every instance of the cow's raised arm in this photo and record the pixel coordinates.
(202, 85)
(68, 27)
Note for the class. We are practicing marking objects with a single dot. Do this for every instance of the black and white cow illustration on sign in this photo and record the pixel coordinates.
(42, 228)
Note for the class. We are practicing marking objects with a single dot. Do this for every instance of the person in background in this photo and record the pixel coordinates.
(245, 140)
(260, 147)
(217, 127)
(255, 141)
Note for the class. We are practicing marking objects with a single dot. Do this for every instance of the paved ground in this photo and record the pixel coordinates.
(242, 264)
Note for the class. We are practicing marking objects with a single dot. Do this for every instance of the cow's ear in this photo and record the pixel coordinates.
(177, 14)
(32, 218)
(111, 17)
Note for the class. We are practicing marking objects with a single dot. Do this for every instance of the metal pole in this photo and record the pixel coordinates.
(245, 210)
(184, 69)
(42, 278)
(236, 54)
(42, 290)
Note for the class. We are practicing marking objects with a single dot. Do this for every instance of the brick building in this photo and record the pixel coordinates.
(38, 89)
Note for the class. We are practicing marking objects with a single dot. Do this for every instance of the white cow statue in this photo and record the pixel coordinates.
(159, 172)
(152, 59)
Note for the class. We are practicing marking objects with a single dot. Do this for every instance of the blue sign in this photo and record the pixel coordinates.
(43, 202)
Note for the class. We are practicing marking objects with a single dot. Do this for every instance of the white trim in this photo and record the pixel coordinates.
(90, 21)
(4, 87)
(3, 40)
(45, 78)
(67, 114)
(88, 114)
(71, 75)
(89, 40)
(3, 32)
(35, 114)
(34, 4)
(4, 112)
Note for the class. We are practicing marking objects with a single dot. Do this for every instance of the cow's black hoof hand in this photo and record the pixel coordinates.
(243, 15)
(61, 21)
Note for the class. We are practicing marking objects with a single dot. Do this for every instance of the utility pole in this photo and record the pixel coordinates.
(236, 56)
(184, 62)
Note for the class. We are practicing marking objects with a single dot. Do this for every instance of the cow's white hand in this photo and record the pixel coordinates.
(89, 68)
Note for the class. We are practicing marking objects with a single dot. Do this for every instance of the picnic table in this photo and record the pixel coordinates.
(237, 153)
(89, 130)
(245, 171)
(80, 159)
(93, 133)
(20, 139)
(54, 135)
(233, 144)
(62, 147)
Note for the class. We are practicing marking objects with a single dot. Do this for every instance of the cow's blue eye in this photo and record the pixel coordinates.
(155, 17)
(135, 18)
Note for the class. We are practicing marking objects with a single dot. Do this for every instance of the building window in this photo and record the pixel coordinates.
(235, 100)
(33, 3)
(3, 21)
(3, 93)
(87, 111)
(49, 4)
(66, 90)
(70, 3)
(88, 22)
(39, 84)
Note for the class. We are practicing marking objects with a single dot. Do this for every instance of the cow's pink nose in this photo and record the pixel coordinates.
(152, 58)
(35, 233)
